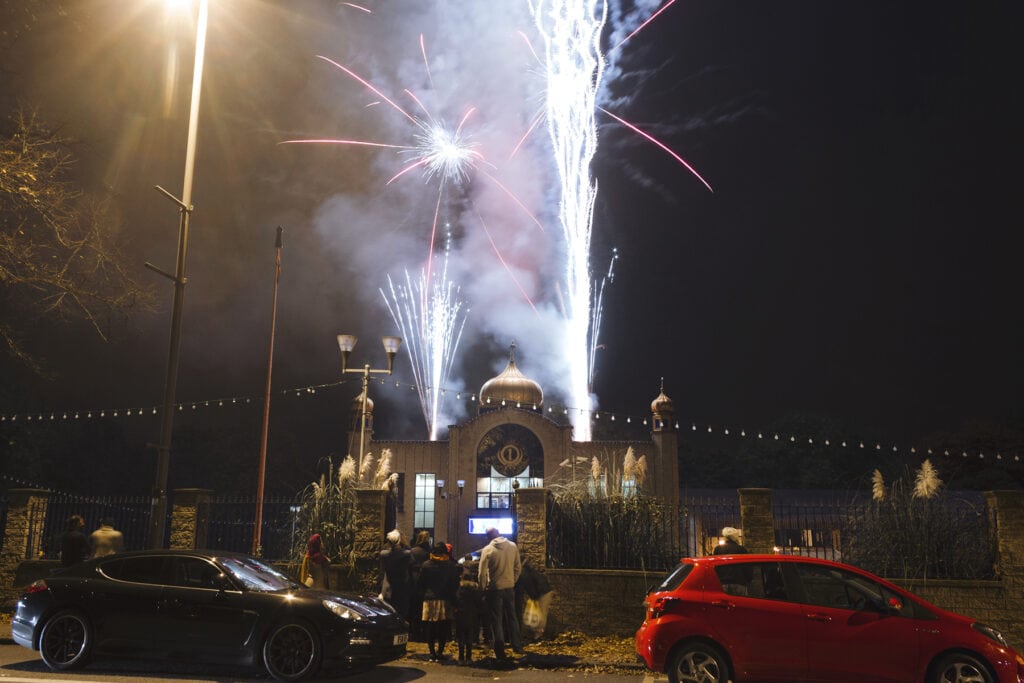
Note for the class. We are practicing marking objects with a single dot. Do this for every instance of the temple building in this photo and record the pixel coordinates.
(458, 487)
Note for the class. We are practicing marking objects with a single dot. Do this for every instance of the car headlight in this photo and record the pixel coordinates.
(348, 609)
(989, 632)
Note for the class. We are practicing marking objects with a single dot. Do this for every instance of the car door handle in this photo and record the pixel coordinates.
(724, 604)
(818, 616)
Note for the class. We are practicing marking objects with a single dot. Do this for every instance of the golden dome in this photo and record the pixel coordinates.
(663, 404)
(511, 386)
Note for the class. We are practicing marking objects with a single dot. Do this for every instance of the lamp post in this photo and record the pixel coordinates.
(158, 512)
(347, 342)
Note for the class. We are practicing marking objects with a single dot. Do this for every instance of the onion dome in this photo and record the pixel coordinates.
(662, 406)
(357, 404)
(511, 386)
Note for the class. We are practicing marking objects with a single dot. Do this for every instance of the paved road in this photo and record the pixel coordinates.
(18, 665)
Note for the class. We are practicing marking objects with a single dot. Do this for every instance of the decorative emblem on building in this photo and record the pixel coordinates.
(510, 449)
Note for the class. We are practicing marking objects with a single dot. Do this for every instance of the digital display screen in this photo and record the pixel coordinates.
(480, 525)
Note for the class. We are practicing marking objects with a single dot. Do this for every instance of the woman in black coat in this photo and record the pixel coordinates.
(439, 582)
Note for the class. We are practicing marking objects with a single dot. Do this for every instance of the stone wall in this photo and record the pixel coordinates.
(597, 602)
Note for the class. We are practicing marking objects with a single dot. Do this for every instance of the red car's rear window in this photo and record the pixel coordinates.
(675, 578)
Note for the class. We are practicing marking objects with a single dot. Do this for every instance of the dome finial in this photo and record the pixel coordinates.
(512, 352)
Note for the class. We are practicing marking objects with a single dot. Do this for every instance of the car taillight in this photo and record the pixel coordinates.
(37, 586)
(659, 606)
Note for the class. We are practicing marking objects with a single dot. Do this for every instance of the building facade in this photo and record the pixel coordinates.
(458, 487)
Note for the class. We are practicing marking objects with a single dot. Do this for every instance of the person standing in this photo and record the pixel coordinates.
(395, 561)
(419, 553)
(439, 583)
(499, 570)
(74, 546)
(735, 578)
(106, 540)
(318, 563)
(468, 608)
(730, 543)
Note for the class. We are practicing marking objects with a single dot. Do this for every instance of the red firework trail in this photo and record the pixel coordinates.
(508, 269)
(641, 26)
(660, 144)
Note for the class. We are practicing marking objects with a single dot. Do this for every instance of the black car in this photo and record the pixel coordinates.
(203, 606)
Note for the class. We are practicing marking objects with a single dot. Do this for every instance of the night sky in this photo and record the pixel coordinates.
(859, 259)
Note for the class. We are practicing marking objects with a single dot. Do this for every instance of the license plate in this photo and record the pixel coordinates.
(401, 639)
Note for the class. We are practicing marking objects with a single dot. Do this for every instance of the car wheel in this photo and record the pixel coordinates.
(960, 668)
(698, 663)
(292, 652)
(66, 641)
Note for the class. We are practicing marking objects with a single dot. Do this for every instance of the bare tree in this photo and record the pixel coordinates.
(60, 250)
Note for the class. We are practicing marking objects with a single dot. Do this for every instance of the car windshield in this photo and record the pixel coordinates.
(255, 575)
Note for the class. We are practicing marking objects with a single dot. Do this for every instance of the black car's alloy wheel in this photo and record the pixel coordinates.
(292, 652)
(698, 663)
(960, 668)
(66, 640)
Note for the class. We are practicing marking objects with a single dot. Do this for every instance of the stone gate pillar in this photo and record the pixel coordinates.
(1007, 511)
(531, 526)
(368, 541)
(190, 518)
(757, 520)
(23, 534)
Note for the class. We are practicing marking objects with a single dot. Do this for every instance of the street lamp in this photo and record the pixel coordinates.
(347, 342)
(158, 512)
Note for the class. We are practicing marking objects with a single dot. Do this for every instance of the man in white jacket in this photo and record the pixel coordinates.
(499, 570)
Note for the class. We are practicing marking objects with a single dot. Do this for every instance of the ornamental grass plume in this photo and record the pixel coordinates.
(927, 482)
(877, 486)
(380, 480)
(595, 468)
(346, 470)
(629, 464)
(641, 470)
(366, 468)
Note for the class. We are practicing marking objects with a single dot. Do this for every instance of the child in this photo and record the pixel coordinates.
(468, 606)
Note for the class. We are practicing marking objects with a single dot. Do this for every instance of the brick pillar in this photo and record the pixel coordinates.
(531, 525)
(758, 523)
(368, 541)
(23, 535)
(190, 518)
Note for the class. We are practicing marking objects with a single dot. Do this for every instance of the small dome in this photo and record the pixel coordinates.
(663, 404)
(511, 386)
(357, 404)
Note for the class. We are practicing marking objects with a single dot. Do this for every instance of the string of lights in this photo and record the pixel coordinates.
(314, 390)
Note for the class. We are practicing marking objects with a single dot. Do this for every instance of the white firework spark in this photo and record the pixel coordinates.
(575, 65)
(430, 315)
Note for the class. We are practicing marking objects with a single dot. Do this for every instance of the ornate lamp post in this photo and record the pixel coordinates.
(347, 342)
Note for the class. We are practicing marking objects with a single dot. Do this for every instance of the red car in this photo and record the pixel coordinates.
(784, 618)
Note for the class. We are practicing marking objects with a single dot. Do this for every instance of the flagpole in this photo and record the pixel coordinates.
(257, 547)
